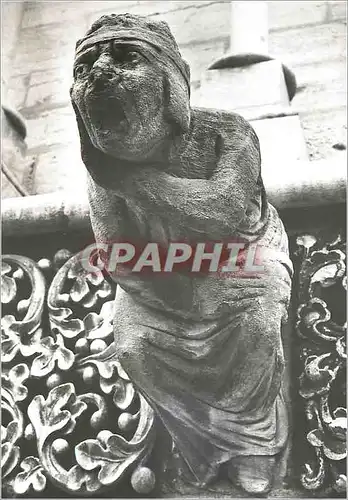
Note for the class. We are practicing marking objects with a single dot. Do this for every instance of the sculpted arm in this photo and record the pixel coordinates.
(216, 205)
(108, 214)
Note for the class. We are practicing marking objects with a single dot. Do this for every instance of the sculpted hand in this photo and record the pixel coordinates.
(214, 206)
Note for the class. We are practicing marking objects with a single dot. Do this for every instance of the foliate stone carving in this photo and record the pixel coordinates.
(71, 418)
(321, 327)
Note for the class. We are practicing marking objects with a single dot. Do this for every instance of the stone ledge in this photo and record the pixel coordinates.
(289, 185)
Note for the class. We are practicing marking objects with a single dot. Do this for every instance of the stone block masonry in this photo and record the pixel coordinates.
(309, 36)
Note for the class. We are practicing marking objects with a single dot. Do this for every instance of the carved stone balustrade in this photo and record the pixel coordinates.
(74, 425)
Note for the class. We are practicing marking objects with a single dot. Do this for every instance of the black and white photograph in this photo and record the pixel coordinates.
(173, 252)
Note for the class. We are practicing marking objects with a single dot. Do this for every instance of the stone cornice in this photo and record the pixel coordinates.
(288, 185)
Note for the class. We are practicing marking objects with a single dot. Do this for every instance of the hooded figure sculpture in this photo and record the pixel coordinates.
(205, 350)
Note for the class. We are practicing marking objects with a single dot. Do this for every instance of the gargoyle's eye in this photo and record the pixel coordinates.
(133, 56)
(125, 55)
(81, 70)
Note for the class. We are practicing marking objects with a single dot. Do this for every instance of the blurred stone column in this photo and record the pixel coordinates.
(249, 27)
(11, 15)
(250, 82)
(13, 152)
(13, 129)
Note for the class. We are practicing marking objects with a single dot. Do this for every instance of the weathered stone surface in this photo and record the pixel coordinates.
(317, 97)
(37, 63)
(201, 55)
(48, 88)
(281, 139)
(323, 129)
(193, 25)
(284, 15)
(17, 89)
(14, 148)
(225, 88)
(338, 10)
(11, 13)
(60, 168)
(190, 22)
(324, 183)
(145, 8)
(322, 73)
(7, 189)
(306, 183)
(41, 13)
(43, 133)
(45, 47)
(309, 44)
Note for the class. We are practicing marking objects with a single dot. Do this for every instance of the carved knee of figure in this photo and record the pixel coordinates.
(254, 474)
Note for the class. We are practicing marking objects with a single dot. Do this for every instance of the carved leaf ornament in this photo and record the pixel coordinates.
(71, 418)
(73, 421)
(321, 328)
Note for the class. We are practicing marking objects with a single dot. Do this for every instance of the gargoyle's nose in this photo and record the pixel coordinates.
(100, 78)
(101, 74)
(103, 71)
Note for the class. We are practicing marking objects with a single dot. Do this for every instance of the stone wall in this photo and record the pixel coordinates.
(309, 36)
(10, 26)
(11, 19)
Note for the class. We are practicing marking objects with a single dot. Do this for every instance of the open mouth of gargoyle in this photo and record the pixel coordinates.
(106, 113)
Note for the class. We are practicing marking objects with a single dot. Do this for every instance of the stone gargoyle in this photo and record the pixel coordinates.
(204, 348)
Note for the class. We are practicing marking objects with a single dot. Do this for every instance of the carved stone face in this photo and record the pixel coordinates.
(122, 95)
